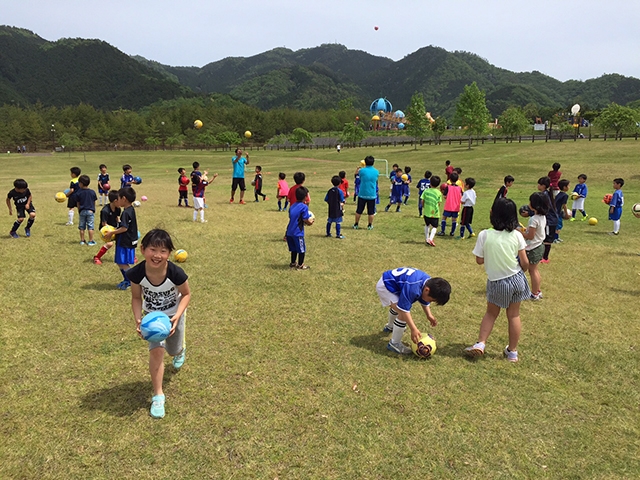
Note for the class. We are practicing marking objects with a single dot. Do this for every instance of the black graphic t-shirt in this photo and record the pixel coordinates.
(159, 298)
(128, 239)
(20, 199)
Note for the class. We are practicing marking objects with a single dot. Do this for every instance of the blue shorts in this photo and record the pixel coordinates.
(125, 256)
(296, 244)
(86, 220)
(334, 220)
(447, 213)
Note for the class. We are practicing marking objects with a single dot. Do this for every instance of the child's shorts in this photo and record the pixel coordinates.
(431, 222)
(535, 255)
(578, 204)
(296, 244)
(124, 255)
(504, 292)
(175, 343)
(386, 297)
(183, 193)
(467, 216)
(86, 220)
(22, 212)
(334, 220)
(450, 214)
(198, 203)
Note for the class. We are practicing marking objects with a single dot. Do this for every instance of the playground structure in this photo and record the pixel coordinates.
(384, 118)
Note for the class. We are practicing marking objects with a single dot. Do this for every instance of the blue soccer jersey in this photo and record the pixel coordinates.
(423, 184)
(408, 284)
(617, 201)
(298, 212)
(126, 180)
(581, 189)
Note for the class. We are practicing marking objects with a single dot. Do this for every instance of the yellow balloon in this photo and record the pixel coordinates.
(198, 124)
(247, 134)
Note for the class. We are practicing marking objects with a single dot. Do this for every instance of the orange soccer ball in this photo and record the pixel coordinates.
(607, 198)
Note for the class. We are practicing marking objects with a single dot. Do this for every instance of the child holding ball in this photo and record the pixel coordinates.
(109, 215)
(501, 250)
(399, 289)
(127, 235)
(158, 285)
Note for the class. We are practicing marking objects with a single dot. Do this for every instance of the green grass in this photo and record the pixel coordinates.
(287, 374)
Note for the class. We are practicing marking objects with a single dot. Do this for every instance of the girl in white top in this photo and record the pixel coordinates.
(501, 250)
(535, 234)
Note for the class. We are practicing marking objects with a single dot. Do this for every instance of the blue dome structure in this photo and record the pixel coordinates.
(400, 126)
(380, 105)
(399, 114)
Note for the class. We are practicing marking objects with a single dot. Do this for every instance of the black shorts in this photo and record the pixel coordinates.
(431, 222)
(183, 193)
(238, 182)
(551, 234)
(22, 212)
(71, 202)
(371, 206)
(467, 216)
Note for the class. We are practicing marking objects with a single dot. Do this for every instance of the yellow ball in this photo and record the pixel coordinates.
(180, 256)
(425, 348)
(363, 163)
(404, 177)
(105, 229)
(247, 134)
(593, 221)
(198, 124)
(60, 197)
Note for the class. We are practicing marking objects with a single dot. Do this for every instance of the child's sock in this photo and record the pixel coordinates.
(195, 215)
(462, 230)
(202, 215)
(286, 203)
(453, 227)
(301, 258)
(70, 216)
(124, 274)
(338, 229)
(584, 214)
(102, 251)
(432, 235)
(469, 228)
(30, 222)
(443, 224)
(294, 255)
(573, 213)
(279, 204)
(16, 225)
(547, 249)
(392, 318)
(426, 232)
(398, 330)
(328, 229)
(186, 202)
(616, 226)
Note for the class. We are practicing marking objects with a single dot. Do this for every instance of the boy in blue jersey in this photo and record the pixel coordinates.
(127, 178)
(615, 206)
(423, 184)
(397, 189)
(579, 194)
(298, 218)
(406, 192)
(399, 289)
(103, 180)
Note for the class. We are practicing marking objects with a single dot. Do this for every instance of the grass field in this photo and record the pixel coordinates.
(287, 374)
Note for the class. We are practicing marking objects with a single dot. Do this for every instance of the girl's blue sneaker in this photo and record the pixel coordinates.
(157, 406)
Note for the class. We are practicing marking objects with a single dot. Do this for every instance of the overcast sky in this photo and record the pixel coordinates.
(565, 39)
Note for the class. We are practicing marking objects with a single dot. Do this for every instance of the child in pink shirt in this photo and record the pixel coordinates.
(453, 194)
(283, 191)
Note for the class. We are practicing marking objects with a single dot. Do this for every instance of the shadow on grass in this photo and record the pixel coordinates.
(453, 350)
(123, 400)
(633, 293)
(626, 254)
(100, 286)
(281, 266)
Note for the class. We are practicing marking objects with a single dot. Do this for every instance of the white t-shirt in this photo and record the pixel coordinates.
(468, 198)
(499, 249)
(539, 223)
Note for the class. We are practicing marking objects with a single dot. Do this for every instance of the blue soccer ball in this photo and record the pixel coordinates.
(137, 180)
(155, 327)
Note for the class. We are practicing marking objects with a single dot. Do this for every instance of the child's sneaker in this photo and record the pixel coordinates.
(293, 265)
(82, 242)
(459, 238)
(14, 235)
(512, 356)
(572, 219)
(476, 350)
(179, 359)
(369, 227)
(27, 232)
(388, 328)
(355, 226)
(303, 267)
(123, 285)
(231, 200)
(340, 237)
(440, 234)
(265, 199)
(242, 202)
(157, 406)
(431, 243)
(97, 261)
(91, 243)
(472, 235)
(544, 260)
(535, 297)
(400, 348)
(69, 223)
(328, 235)
(584, 218)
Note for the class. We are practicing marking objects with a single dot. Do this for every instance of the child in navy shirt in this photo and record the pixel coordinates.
(335, 199)
(423, 184)
(86, 201)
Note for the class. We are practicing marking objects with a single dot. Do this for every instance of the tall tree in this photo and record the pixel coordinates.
(416, 115)
(352, 133)
(514, 122)
(438, 127)
(618, 118)
(300, 135)
(471, 111)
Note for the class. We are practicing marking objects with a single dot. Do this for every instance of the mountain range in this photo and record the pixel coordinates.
(71, 71)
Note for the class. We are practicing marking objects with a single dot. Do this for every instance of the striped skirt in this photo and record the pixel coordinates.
(504, 292)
